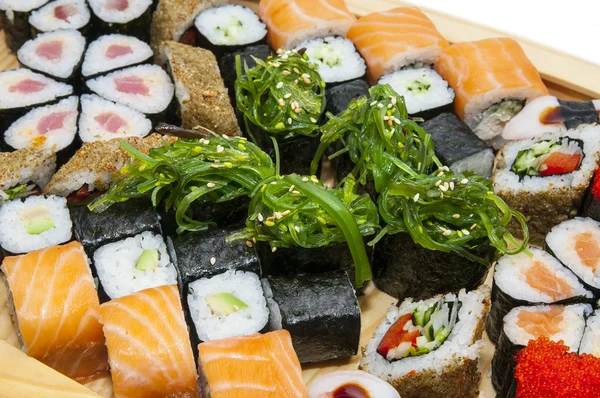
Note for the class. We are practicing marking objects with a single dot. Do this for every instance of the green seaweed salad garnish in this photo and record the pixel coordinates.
(441, 210)
(283, 95)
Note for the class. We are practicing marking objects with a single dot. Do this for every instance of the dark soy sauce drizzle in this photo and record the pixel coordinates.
(552, 116)
(350, 391)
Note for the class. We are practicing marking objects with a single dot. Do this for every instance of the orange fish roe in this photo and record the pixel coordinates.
(546, 369)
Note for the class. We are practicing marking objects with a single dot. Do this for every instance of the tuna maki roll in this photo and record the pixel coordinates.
(61, 14)
(127, 17)
(14, 19)
(25, 172)
(111, 52)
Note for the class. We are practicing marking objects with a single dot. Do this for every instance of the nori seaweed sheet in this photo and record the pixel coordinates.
(575, 113)
(222, 51)
(454, 140)
(138, 27)
(428, 114)
(338, 97)
(17, 31)
(590, 207)
(120, 221)
(402, 268)
(503, 366)
(321, 313)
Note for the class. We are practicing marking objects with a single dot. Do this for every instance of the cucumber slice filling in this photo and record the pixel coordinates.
(549, 157)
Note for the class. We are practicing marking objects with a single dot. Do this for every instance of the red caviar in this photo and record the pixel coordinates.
(546, 369)
(596, 185)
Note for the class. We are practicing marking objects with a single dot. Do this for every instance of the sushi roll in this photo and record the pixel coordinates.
(291, 22)
(61, 14)
(145, 88)
(97, 229)
(336, 58)
(133, 264)
(158, 359)
(24, 173)
(529, 280)
(576, 243)
(590, 343)
(401, 47)
(57, 54)
(350, 383)
(200, 91)
(522, 324)
(493, 79)
(227, 305)
(457, 147)
(339, 96)
(21, 89)
(323, 326)
(111, 52)
(47, 128)
(14, 19)
(34, 223)
(430, 348)
(545, 178)
(57, 310)
(126, 17)
(261, 364)
(103, 120)
(229, 28)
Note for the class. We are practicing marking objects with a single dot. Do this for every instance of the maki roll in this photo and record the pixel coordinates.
(111, 52)
(57, 54)
(228, 28)
(522, 324)
(14, 19)
(576, 243)
(458, 147)
(24, 173)
(545, 178)
(247, 58)
(127, 17)
(401, 47)
(103, 120)
(61, 14)
(200, 90)
(430, 348)
(227, 305)
(338, 97)
(34, 223)
(145, 88)
(347, 383)
(133, 264)
(525, 279)
(323, 326)
(590, 343)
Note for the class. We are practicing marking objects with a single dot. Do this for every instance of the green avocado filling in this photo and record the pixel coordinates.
(148, 261)
(36, 220)
(531, 161)
(225, 303)
(327, 54)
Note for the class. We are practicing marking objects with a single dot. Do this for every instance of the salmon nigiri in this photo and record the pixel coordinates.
(58, 310)
(149, 346)
(261, 365)
(293, 21)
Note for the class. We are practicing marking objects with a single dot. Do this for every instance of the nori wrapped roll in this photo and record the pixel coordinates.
(320, 311)
(120, 221)
(457, 146)
(295, 152)
(131, 18)
(338, 97)
(14, 19)
(402, 268)
(247, 56)
(575, 113)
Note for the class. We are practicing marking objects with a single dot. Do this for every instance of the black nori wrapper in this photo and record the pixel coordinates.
(222, 51)
(503, 366)
(575, 113)
(402, 268)
(454, 141)
(138, 27)
(17, 31)
(338, 97)
(591, 207)
(321, 313)
(120, 221)
(595, 290)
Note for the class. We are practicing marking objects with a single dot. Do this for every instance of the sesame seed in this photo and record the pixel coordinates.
(260, 217)
(214, 166)
(295, 192)
(298, 110)
(393, 100)
(249, 243)
(446, 185)
(285, 213)
(440, 174)
(276, 64)
(473, 227)
(443, 188)
(441, 195)
(273, 182)
(211, 185)
(464, 231)
(281, 101)
(217, 161)
(373, 103)
(273, 249)
(236, 308)
(284, 57)
(452, 185)
(291, 188)
(289, 120)
(464, 181)
(305, 179)
(314, 179)
(205, 142)
(447, 232)
(288, 95)
(380, 106)
(389, 106)
(306, 81)
(437, 184)
(297, 228)
(277, 215)
(313, 120)
(225, 136)
(286, 73)
(253, 239)
(456, 215)
(445, 168)
(386, 118)
(305, 75)
(296, 70)
(213, 260)
(279, 85)
(390, 123)
(220, 149)
(296, 81)
(416, 198)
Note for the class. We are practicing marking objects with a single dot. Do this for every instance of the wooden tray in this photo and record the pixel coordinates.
(566, 77)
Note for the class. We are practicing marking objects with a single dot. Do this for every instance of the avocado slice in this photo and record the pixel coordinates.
(225, 303)
(148, 261)
(36, 219)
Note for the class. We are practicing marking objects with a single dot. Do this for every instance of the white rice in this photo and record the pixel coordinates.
(25, 131)
(11, 99)
(527, 123)
(561, 241)
(590, 344)
(63, 67)
(13, 236)
(96, 60)
(91, 128)
(479, 163)
(243, 285)
(571, 327)
(510, 278)
(103, 10)
(115, 264)
(160, 94)
(350, 65)
(214, 23)
(35, 167)
(437, 95)
(44, 19)
(459, 346)
(507, 183)
(21, 5)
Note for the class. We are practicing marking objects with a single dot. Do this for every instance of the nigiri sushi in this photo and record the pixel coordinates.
(148, 344)
(262, 365)
(57, 309)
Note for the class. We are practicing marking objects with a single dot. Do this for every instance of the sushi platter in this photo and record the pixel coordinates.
(217, 198)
